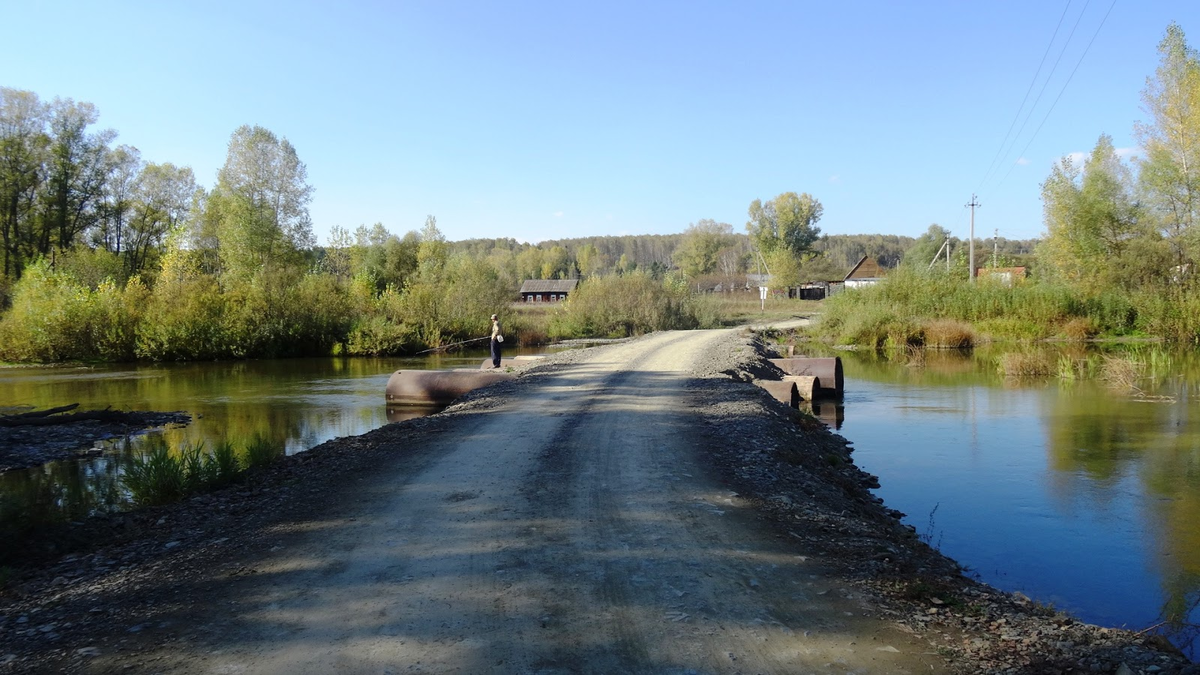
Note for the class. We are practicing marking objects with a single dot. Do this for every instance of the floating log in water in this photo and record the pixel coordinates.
(40, 413)
(432, 387)
(782, 391)
(807, 386)
(828, 370)
(46, 418)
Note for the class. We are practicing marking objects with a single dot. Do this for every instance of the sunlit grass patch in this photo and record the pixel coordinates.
(949, 334)
(1010, 328)
(1079, 328)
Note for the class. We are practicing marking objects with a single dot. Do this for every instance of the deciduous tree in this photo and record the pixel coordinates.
(922, 251)
(261, 202)
(699, 252)
(1091, 218)
(79, 163)
(788, 221)
(23, 155)
(1170, 139)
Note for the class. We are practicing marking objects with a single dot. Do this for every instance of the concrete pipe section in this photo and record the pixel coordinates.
(828, 370)
(437, 387)
(808, 387)
(782, 391)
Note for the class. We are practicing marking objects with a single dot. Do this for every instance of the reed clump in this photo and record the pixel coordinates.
(159, 475)
(1025, 365)
(949, 334)
(1121, 372)
(1079, 328)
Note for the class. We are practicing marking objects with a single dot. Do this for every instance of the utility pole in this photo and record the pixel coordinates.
(972, 205)
(995, 248)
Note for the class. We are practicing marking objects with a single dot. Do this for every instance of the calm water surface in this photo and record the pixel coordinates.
(1076, 494)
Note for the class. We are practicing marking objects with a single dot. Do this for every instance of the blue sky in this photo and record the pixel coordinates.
(541, 120)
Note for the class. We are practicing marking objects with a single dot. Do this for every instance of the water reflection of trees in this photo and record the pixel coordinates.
(1099, 436)
(55, 493)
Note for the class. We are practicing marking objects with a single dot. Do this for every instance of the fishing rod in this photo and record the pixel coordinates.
(454, 344)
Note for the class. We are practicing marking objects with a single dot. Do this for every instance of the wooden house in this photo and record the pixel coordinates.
(866, 272)
(547, 290)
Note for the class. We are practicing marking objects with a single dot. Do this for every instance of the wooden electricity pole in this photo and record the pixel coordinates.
(972, 205)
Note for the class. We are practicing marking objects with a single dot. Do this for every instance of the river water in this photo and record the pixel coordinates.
(1076, 494)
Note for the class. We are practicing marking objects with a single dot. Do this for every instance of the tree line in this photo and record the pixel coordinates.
(109, 256)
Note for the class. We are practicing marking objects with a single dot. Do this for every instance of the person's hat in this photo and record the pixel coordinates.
(493, 317)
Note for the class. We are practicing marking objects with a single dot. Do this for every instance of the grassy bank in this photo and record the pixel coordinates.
(935, 310)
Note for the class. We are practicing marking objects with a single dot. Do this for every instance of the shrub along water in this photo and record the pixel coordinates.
(193, 315)
(913, 308)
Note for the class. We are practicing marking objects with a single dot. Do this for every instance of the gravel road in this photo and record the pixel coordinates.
(570, 529)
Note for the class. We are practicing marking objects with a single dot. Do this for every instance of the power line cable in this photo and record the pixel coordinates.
(987, 174)
(1045, 84)
(1060, 93)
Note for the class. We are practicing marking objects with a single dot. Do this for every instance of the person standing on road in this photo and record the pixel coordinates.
(497, 338)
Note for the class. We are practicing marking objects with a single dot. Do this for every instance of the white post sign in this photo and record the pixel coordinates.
(762, 297)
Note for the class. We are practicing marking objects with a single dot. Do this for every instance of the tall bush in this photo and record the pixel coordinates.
(184, 319)
(55, 318)
(625, 305)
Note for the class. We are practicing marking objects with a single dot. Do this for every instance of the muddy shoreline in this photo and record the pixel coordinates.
(22, 447)
(799, 475)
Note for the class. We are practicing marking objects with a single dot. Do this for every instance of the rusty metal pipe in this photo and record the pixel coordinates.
(434, 387)
(828, 370)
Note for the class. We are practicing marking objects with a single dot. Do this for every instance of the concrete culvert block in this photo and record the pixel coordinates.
(809, 387)
(827, 369)
(782, 391)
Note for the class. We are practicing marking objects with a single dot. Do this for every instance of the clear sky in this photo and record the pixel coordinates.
(542, 120)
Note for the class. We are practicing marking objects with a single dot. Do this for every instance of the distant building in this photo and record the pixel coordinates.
(865, 273)
(813, 290)
(547, 290)
(1005, 275)
(755, 281)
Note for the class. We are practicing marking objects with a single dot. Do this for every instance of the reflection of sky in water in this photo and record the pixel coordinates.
(979, 456)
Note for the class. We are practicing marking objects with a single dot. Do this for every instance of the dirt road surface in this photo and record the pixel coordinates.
(572, 528)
